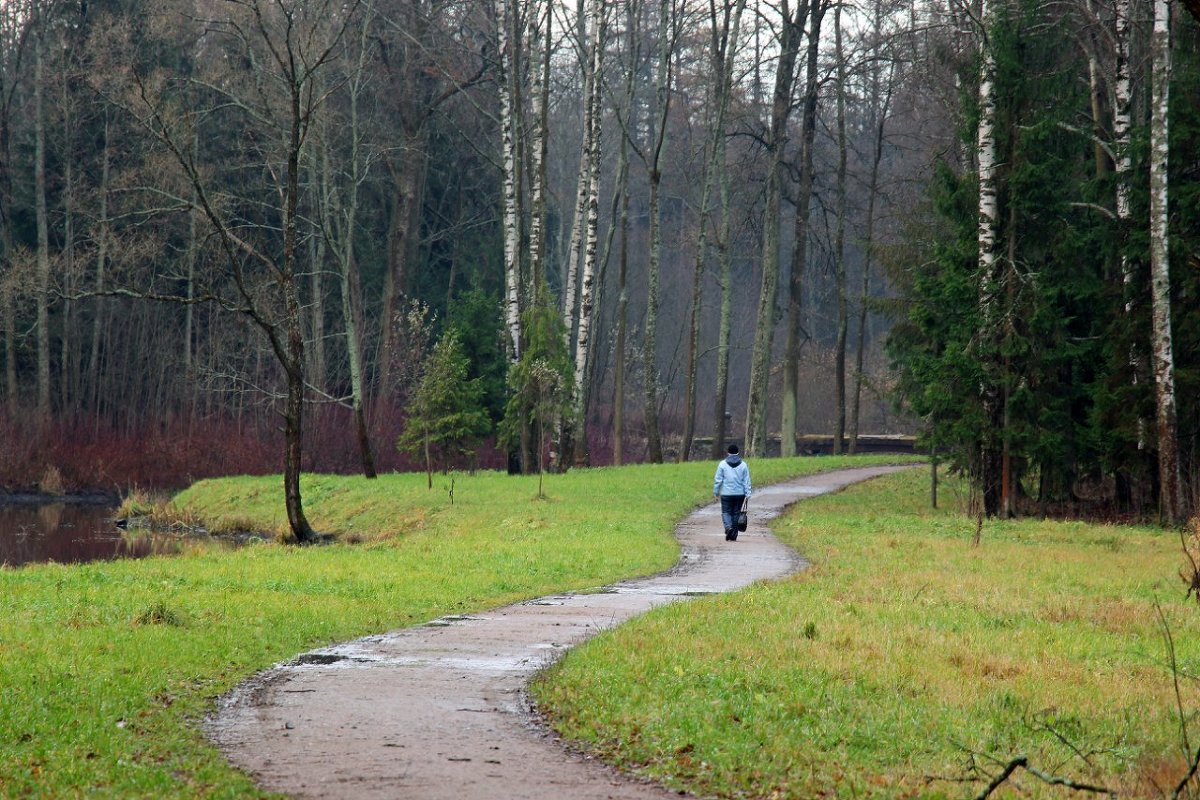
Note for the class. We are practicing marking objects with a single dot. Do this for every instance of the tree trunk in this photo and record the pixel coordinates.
(583, 341)
(622, 316)
(350, 275)
(662, 104)
(43, 236)
(724, 33)
(791, 363)
(543, 46)
(880, 114)
(1171, 500)
(404, 232)
(1123, 167)
(764, 329)
(632, 14)
(587, 57)
(988, 466)
(839, 371)
(725, 323)
(512, 231)
(294, 362)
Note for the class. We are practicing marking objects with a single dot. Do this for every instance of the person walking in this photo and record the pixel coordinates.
(732, 485)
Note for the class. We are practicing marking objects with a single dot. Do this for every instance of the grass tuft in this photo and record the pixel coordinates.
(159, 614)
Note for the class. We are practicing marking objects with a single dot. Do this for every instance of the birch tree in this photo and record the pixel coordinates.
(988, 213)
(1171, 499)
(577, 422)
(509, 89)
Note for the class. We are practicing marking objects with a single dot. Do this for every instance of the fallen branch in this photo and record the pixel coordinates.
(1022, 762)
(1187, 778)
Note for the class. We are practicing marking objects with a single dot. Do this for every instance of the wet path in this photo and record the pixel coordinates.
(439, 710)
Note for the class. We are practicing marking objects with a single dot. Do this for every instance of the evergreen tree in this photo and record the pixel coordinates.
(1001, 364)
(446, 416)
(539, 384)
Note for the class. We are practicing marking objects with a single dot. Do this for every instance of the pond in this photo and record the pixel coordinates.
(72, 533)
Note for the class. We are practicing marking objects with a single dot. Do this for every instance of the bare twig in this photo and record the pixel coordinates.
(1022, 762)
(1187, 778)
(1170, 642)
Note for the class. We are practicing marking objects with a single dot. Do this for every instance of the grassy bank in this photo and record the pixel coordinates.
(901, 658)
(106, 668)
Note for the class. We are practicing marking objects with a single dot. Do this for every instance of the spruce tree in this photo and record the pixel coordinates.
(446, 415)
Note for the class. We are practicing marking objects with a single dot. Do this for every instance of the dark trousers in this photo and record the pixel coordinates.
(731, 504)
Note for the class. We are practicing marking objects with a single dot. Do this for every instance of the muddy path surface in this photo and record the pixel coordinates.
(440, 710)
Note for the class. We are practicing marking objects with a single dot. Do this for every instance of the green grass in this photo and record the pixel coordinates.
(898, 654)
(106, 668)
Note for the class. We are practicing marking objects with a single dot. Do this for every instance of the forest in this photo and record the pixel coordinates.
(245, 236)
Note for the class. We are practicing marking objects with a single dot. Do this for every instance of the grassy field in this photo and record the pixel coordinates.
(107, 668)
(904, 661)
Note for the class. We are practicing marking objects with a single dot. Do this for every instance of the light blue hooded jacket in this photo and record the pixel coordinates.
(732, 478)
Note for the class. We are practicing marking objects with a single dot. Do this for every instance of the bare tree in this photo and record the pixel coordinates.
(339, 204)
(663, 78)
(804, 192)
(288, 46)
(839, 246)
(725, 23)
(724, 251)
(42, 221)
(790, 35)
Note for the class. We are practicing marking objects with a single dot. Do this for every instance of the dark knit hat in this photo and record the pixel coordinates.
(732, 450)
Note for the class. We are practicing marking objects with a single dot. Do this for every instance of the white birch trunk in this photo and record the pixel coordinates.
(985, 151)
(988, 221)
(512, 232)
(1171, 495)
(542, 37)
(591, 238)
(1123, 166)
(579, 219)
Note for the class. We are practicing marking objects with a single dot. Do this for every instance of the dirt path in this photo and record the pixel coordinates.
(440, 711)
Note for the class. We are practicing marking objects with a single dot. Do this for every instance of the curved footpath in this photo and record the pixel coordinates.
(440, 710)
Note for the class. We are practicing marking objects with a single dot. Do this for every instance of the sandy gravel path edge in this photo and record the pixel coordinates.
(440, 711)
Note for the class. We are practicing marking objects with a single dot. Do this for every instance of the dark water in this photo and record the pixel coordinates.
(72, 533)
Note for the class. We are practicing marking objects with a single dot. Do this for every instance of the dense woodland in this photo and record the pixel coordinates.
(240, 235)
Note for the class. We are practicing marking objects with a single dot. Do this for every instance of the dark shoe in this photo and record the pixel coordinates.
(728, 534)
(733, 535)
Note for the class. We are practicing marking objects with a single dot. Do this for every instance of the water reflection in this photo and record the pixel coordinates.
(72, 534)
